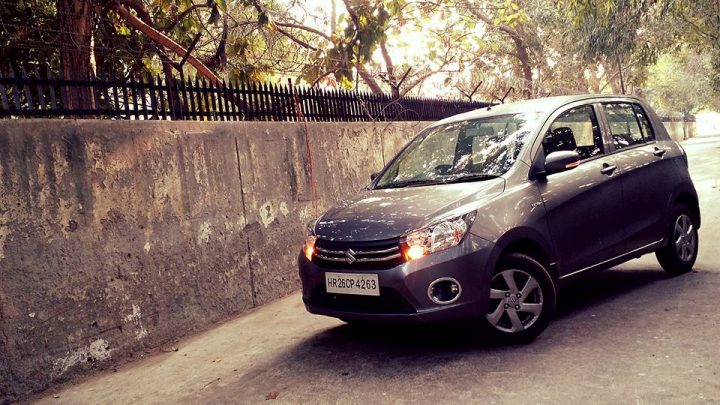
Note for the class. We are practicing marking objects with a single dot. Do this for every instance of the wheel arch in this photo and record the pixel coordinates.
(690, 200)
(531, 243)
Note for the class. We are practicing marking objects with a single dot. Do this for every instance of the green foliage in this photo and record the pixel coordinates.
(564, 46)
(27, 31)
(365, 26)
(679, 82)
(509, 13)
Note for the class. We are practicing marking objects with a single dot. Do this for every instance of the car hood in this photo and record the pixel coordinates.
(389, 213)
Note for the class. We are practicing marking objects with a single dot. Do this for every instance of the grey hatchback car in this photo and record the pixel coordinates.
(484, 215)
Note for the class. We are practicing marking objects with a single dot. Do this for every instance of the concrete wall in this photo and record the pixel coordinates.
(120, 236)
(679, 130)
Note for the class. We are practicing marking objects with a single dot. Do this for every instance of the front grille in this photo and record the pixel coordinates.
(382, 254)
(389, 302)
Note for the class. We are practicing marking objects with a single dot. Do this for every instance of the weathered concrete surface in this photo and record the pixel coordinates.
(680, 130)
(630, 335)
(120, 236)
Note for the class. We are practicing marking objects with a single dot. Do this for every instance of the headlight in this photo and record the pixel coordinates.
(310, 239)
(437, 237)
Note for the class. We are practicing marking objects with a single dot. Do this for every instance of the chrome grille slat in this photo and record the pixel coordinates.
(376, 252)
(359, 252)
(331, 259)
(378, 259)
(336, 252)
(360, 259)
(360, 255)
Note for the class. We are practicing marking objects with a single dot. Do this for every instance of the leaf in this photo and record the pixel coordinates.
(271, 395)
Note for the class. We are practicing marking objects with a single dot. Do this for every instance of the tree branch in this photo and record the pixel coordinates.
(296, 39)
(388, 61)
(304, 28)
(369, 80)
(182, 15)
(163, 40)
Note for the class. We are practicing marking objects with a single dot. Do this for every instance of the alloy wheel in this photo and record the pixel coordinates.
(516, 301)
(685, 238)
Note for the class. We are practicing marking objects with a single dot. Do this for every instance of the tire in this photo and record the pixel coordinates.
(519, 313)
(679, 255)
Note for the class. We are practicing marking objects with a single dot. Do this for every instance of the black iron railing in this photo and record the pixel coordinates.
(40, 94)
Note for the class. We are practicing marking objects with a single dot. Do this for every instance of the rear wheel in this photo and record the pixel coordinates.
(522, 299)
(679, 255)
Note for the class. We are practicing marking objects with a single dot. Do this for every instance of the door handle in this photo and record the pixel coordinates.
(607, 169)
(658, 151)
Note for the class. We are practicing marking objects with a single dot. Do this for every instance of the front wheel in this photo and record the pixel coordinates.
(679, 255)
(522, 299)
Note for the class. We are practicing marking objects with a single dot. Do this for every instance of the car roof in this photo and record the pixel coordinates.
(544, 105)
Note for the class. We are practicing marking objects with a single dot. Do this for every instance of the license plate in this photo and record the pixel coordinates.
(357, 284)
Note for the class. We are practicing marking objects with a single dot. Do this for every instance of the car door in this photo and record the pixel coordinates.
(645, 172)
(582, 204)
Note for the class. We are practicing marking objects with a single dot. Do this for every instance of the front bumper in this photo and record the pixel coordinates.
(404, 288)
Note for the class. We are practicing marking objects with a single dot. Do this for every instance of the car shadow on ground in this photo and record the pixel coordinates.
(383, 348)
(587, 312)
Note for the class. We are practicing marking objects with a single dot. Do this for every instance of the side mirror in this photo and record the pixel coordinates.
(373, 176)
(560, 161)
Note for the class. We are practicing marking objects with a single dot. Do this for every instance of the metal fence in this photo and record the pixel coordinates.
(40, 94)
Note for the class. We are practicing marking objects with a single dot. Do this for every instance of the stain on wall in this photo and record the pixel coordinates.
(119, 236)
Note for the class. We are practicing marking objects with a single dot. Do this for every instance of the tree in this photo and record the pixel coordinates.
(679, 82)
(701, 20)
(509, 19)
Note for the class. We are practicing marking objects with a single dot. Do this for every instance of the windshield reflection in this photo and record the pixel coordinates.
(470, 150)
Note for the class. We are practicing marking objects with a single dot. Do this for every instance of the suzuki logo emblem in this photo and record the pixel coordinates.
(350, 256)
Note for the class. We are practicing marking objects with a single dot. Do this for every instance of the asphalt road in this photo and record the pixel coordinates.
(629, 335)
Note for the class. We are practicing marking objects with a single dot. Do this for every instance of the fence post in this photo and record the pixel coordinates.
(15, 90)
(51, 89)
(211, 94)
(143, 99)
(40, 90)
(181, 92)
(106, 96)
(155, 114)
(3, 97)
(28, 94)
(257, 100)
(224, 92)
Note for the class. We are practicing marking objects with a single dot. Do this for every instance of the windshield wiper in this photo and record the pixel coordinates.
(470, 177)
(408, 183)
(455, 179)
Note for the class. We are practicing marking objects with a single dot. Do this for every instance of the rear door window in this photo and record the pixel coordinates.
(624, 125)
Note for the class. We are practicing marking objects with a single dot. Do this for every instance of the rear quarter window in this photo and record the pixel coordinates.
(647, 130)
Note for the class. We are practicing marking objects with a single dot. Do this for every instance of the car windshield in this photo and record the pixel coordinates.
(469, 150)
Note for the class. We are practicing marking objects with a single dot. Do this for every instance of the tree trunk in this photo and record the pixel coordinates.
(593, 80)
(176, 105)
(74, 18)
(524, 59)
